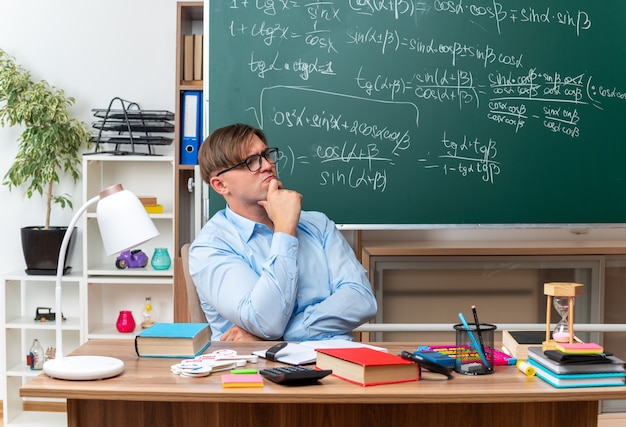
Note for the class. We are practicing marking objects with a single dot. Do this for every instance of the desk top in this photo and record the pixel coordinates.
(554, 247)
(149, 379)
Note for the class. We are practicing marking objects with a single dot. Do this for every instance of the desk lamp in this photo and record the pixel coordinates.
(124, 223)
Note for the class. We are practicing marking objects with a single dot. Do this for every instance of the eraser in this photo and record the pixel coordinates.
(472, 367)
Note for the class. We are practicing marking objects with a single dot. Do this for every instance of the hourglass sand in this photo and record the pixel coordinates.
(561, 331)
(561, 295)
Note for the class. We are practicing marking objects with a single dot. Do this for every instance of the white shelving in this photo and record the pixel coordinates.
(106, 296)
(94, 296)
(21, 296)
(110, 289)
(142, 175)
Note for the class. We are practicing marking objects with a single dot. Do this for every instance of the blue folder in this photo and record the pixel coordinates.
(191, 129)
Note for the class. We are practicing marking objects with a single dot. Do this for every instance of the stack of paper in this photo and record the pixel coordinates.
(305, 353)
(605, 371)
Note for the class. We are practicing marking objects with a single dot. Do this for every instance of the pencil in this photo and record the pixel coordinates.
(473, 338)
(478, 331)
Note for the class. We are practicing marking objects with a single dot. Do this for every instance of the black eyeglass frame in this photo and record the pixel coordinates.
(266, 154)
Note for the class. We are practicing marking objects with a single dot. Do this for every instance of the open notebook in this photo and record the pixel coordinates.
(304, 353)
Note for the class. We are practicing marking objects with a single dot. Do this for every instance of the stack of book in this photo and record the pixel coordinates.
(151, 205)
(567, 370)
(193, 52)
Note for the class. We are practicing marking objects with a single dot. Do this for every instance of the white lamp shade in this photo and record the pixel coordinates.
(123, 220)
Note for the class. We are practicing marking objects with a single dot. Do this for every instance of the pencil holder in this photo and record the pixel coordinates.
(474, 349)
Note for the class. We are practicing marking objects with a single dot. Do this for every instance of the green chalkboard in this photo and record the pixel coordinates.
(412, 112)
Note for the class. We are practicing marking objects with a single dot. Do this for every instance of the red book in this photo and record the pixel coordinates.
(365, 366)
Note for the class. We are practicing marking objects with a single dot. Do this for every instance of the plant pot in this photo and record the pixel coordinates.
(41, 249)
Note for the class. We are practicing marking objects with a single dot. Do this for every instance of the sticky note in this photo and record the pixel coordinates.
(242, 380)
(580, 348)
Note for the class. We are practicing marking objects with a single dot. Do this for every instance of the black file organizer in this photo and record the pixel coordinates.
(124, 123)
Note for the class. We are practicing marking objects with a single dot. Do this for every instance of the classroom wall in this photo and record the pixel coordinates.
(94, 51)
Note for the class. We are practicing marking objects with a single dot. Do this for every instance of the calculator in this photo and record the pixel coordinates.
(294, 375)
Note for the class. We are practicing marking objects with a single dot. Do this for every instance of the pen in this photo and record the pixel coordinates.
(427, 364)
(478, 331)
(473, 338)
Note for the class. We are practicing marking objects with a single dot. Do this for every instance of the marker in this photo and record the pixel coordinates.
(244, 371)
(478, 331)
(525, 367)
(473, 338)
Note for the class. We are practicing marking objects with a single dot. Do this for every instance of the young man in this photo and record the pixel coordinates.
(263, 268)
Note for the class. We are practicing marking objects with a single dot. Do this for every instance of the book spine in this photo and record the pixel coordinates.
(198, 50)
(188, 57)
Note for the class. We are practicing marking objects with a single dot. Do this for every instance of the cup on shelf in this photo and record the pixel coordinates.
(125, 321)
(161, 259)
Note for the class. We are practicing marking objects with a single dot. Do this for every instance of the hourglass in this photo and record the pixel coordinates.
(561, 295)
(561, 331)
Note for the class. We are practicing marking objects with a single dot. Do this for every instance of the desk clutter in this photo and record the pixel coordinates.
(216, 361)
(566, 369)
(563, 363)
(364, 365)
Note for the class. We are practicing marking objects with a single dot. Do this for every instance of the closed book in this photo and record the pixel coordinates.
(578, 380)
(518, 342)
(154, 209)
(182, 340)
(365, 366)
(148, 200)
(188, 57)
(198, 49)
(536, 355)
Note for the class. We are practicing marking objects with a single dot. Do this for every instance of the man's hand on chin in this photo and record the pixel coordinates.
(235, 333)
(283, 207)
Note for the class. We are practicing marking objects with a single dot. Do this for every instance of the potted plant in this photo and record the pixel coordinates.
(49, 147)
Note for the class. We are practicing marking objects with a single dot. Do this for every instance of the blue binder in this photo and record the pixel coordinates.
(191, 128)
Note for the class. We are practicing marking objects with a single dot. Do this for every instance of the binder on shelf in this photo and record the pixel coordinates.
(191, 127)
(188, 57)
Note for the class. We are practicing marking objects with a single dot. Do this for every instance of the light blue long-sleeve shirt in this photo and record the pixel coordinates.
(276, 285)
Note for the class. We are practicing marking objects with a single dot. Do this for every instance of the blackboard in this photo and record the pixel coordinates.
(410, 112)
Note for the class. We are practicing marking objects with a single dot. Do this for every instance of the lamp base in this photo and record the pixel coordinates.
(83, 368)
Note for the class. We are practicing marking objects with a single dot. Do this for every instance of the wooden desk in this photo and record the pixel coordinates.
(147, 394)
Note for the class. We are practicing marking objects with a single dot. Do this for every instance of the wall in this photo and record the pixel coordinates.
(94, 51)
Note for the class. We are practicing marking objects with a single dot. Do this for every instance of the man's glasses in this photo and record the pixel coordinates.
(254, 162)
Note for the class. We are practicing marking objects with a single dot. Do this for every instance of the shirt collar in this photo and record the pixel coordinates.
(244, 226)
